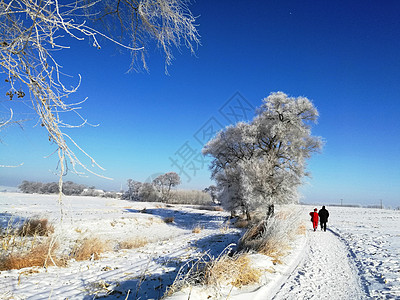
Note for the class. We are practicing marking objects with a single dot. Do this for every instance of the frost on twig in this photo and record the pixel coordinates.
(31, 32)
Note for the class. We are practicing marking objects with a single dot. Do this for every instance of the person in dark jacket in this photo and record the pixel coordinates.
(323, 217)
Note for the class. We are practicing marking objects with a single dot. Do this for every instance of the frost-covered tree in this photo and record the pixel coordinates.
(31, 32)
(69, 188)
(212, 190)
(263, 162)
(148, 193)
(164, 183)
(133, 190)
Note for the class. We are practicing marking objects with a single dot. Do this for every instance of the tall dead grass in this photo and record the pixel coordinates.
(40, 255)
(235, 270)
(133, 243)
(274, 236)
(16, 236)
(33, 244)
(225, 270)
(32, 227)
(89, 248)
(28, 245)
(197, 229)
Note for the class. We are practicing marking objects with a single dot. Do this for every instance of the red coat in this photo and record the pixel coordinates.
(314, 217)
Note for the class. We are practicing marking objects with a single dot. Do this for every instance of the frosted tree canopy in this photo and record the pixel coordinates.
(263, 162)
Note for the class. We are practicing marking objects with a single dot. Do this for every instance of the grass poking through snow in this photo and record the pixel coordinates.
(133, 243)
(236, 271)
(89, 248)
(274, 236)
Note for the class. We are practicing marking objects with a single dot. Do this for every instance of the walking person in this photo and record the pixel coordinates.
(323, 217)
(314, 219)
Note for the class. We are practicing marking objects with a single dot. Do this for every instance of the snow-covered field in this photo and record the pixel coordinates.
(357, 258)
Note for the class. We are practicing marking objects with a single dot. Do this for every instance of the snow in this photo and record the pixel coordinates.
(358, 257)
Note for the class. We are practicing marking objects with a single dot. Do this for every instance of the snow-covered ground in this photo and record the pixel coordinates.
(358, 257)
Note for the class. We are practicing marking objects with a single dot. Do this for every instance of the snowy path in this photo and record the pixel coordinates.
(326, 271)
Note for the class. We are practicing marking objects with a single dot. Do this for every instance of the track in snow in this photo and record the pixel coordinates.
(326, 272)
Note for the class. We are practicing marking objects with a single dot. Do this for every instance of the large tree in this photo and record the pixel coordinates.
(164, 183)
(263, 162)
(31, 32)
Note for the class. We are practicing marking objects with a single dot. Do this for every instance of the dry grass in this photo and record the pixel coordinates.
(241, 223)
(197, 229)
(236, 270)
(224, 270)
(276, 249)
(32, 227)
(301, 229)
(32, 245)
(40, 255)
(169, 220)
(133, 243)
(211, 208)
(89, 248)
(273, 237)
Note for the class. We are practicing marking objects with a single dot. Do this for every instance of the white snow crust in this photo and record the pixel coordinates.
(358, 257)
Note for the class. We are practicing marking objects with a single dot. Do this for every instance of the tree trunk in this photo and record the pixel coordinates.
(248, 215)
(270, 212)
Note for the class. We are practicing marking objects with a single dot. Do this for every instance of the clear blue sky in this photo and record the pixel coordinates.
(343, 55)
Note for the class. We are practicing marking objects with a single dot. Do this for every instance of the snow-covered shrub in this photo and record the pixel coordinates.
(92, 192)
(148, 193)
(113, 195)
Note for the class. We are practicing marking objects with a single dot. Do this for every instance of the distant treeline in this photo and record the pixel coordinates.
(377, 206)
(150, 192)
(161, 189)
(69, 188)
(146, 192)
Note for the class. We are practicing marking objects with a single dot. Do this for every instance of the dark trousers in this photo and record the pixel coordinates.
(323, 226)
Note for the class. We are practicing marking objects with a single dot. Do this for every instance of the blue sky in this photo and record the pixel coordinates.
(343, 55)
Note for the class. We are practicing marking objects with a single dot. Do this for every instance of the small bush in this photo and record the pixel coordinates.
(90, 248)
(169, 220)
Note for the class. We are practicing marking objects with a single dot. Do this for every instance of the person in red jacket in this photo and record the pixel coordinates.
(314, 218)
